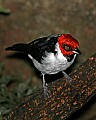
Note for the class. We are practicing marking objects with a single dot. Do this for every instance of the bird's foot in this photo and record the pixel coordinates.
(45, 87)
(66, 76)
(46, 95)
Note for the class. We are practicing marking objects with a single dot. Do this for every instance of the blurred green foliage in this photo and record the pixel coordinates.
(12, 90)
(4, 10)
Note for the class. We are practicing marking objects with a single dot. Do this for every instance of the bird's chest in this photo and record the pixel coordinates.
(55, 63)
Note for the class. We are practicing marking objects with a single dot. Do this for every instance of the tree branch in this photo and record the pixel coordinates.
(64, 98)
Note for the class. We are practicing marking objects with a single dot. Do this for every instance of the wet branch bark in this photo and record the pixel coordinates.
(64, 98)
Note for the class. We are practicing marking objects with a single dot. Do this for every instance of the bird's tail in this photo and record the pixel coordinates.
(21, 47)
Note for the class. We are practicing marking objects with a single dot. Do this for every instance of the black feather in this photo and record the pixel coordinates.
(38, 47)
(69, 58)
(18, 47)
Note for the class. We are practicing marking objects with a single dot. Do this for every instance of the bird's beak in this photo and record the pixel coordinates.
(77, 51)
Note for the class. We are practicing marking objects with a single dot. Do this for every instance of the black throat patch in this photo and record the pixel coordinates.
(70, 57)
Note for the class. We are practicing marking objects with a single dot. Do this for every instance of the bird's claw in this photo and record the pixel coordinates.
(66, 76)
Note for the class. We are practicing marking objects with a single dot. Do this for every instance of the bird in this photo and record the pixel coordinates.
(50, 54)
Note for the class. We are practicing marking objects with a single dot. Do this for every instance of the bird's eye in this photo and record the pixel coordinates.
(66, 47)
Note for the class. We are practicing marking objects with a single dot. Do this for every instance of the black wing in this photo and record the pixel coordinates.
(38, 47)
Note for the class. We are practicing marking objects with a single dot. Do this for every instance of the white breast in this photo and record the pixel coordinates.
(52, 64)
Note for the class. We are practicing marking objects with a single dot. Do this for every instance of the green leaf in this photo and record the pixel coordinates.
(4, 10)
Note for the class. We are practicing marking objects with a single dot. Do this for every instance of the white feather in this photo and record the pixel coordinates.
(52, 64)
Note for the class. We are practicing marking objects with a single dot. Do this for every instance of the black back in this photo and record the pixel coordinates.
(38, 47)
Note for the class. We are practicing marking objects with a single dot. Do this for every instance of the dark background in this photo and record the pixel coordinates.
(30, 19)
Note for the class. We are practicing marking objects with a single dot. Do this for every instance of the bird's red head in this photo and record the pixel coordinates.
(68, 44)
